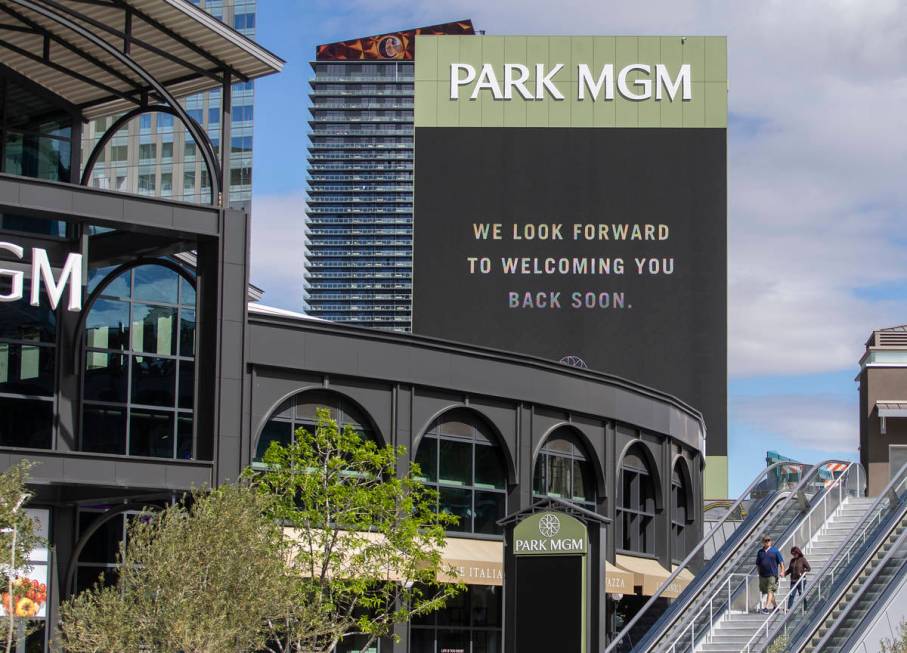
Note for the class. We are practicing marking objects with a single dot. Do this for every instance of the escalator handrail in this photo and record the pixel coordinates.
(895, 550)
(759, 480)
(888, 494)
(786, 538)
(805, 482)
(738, 539)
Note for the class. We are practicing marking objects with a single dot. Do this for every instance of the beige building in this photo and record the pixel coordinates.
(883, 405)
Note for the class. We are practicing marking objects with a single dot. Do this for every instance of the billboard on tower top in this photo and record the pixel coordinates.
(390, 46)
(571, 203)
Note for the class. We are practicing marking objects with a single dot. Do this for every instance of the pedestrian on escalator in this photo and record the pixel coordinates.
(797, 572)
(770, 564)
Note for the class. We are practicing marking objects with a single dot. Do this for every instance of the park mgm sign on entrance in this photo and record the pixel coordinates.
(549, 557)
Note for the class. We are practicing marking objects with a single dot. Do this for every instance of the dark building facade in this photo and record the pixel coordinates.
(132, 367)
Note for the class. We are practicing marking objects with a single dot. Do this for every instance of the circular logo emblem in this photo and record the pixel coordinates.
(574, 361)
(391, 47)
(549, 525)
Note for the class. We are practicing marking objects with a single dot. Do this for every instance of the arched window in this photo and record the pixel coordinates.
(636, 503)
(28, 338)
(302, 411)
(461, 457)
(680, 510)
(562, 470)
(138, 389)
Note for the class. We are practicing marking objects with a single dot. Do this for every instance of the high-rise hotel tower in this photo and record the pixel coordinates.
(359, 218)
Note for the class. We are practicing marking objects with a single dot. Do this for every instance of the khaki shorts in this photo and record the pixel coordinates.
(768, 584)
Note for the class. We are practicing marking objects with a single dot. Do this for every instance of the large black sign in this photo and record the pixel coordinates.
(606, 246)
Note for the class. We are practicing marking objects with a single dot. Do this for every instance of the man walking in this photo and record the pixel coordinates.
(770, 564)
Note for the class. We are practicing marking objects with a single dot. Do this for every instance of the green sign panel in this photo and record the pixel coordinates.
(571, 81)
(550, 533)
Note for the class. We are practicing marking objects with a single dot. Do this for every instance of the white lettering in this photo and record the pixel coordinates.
(663, 80)
(644, 84)
(71, 273)
(519, 82)
(15, 276)
(487, 80)
(605, 78)
(543, 82)
(456, 82)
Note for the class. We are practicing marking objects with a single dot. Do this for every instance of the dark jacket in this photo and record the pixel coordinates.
(798, 566)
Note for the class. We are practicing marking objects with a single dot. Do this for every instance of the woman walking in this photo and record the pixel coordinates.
(797, 571)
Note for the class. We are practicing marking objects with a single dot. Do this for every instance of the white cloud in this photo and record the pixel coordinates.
(278, 252)
(820, 422)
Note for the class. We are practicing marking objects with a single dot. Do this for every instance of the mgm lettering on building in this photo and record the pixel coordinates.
(572, 191)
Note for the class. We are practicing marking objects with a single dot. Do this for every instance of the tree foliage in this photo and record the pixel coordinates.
(897, 644)
(365, 541)
(18, 536)
(199, 576)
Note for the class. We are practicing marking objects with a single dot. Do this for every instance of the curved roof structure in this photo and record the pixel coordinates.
(87, 52)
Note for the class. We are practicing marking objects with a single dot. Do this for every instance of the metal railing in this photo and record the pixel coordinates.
(768, 483)
(799, 625)
(810, 526)
(895, 555)
(715, 606)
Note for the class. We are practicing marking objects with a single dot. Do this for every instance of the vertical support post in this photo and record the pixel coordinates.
(226, 129)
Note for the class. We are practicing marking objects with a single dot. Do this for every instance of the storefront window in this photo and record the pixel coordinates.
(563, 471)
(301, 411)
(139, 375)
(470, 623)
(680, 510)
(636, 504)
(461, 458)
(28, 337)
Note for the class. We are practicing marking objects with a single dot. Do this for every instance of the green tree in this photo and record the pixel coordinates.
(365, 541)
(897, 644)
(200, 576)
(18, 536)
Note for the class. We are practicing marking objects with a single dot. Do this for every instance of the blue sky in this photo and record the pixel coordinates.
(817, 157)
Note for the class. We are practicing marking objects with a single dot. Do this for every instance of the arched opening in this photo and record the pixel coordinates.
(462, 458)
(564, 470)
(636, 502)
(681, 509)
(301, 411)
(138, 369)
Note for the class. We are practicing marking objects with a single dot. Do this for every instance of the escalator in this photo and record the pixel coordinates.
(842, 601)
(777, 505)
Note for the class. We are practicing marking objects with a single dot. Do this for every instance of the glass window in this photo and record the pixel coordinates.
(460, 457)
(26, 423)
(470, 622)
(139, 369)
(562, 470)
(636, 503)
(28, 352)
(301, 412)
(680, 511)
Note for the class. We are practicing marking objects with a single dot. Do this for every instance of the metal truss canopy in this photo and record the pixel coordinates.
(100, 56)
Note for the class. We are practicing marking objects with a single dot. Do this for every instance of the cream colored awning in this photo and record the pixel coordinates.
(648, 574)
(183, 48)
(618, 581)
(478, 562)
(679, 584)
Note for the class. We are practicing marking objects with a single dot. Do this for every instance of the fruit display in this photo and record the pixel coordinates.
(28, 597)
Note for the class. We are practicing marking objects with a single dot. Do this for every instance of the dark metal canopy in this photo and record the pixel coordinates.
(100, 54)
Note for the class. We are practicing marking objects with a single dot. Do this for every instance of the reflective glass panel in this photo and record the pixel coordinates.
(104, 429)
(155, 283)
(151, 433)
